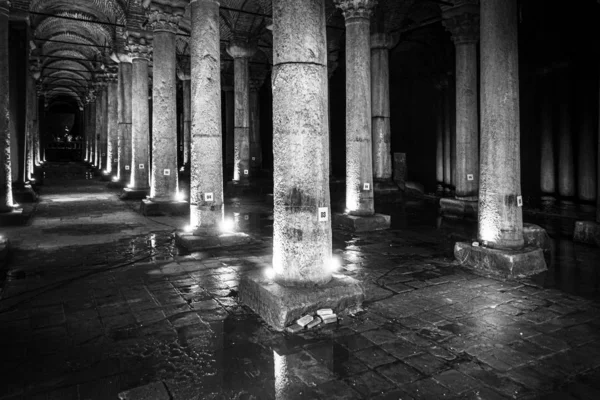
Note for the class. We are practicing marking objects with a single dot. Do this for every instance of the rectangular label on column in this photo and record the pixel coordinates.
(208, 197)
(167, 172)
(127, 168)
(520, 201)
(245, 172)
(470, 177)
(253, 158)
(141, 166)
(366, 186)
(116, 160)
(323, 214)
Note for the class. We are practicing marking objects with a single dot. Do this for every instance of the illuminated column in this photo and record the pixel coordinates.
(206, 164)
(332, 64)
(301, 237)
(566, 167)
(586, 181)
(359, 152)
(30, 110)
(254, 112)
(112, 143)
(92, 125)
(103, 165)
(547, 173)
(241, 51)
(164, 17)
(6, 198)
(463, 22)
(140, 53)
(500, 222)
(229, 130)
(380, 106)
(183, 73)
(37, 131)
(124, 122)
(439, 135)
(447, 139)
(98, 125)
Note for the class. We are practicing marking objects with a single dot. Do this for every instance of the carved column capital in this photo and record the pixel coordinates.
(462, 21)
(356, 8)
(165, 15)
(240, 47)
(139, 45)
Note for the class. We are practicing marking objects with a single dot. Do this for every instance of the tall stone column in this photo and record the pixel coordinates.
(112, 145)
(229, 130)
(547, 173)
(140, 52)
(124, 122)
(439, 135)
(103, 164)
(241, 51)
(586, 160)
(566, 166)
(164, 17)
(92, 125)
(6, 197)
(463, 22)
(447, 139)
(184, 75)
(254, 112)
(30, 124)
(380, 107)
(38, 128)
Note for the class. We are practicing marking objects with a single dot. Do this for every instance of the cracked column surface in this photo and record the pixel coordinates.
(112, 127)
(359, 153)
(164, 19)
(547, 174)
(301, 236)
(6, 198)
(241, 51)
(139, 51)
(463, 24)
(124, 110)
(566, 166)
(500, 220)
(206, 166)
(380, 99)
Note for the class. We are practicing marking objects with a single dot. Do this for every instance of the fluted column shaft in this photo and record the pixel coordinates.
(359, 150)
(206, 166)
(380, 107)
(124, 111)
(92, 129)
(302, 221)
(6, 198)
(500, 219)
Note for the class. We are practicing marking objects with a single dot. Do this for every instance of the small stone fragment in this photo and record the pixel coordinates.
(324, 311)
(314, 323)
(294, 328)
(328, 319)
(304, 320)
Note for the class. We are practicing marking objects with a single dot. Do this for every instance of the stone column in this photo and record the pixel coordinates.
(229, 131)
(241, 51)
(547, 173)
(566, 166)
(302, 224)
(30, 111)
(92, 124)
(140, 53)
(359, 152)
(447, 139)
(164, 17)
(500, 222)
(124, 122)
(254, 112)
(380, 107)
(463, 22)
(103, 165)
(112, 144)
(6, 198)
(183, 73)
(38, 127)
(439, 136)
(586, 160)
(98, 131)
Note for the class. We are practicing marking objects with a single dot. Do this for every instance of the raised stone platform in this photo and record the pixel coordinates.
(507, 264)
(133, 194)
(375, 222)
(587, 232)
(192, 242)
(458, 208)
(279, 305)
(150, 207)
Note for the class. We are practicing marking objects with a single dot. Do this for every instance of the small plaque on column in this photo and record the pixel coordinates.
(141, 166)
(323, 214)
(208, 197)
(127, 168)
(245, 172)
(366, 186)
(470, 177)
(116, 160)
(520, 201)
(167, 172)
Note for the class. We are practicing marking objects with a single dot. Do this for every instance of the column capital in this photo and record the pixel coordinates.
(356, 8)
(240, 47)
(462, 21)
(184, 68)
(121, 57)
(165, 15)
(35, 70)
(139, 45)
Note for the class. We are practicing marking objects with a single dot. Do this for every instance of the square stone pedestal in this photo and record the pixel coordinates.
(375, 222)
(192, 242)
(279, 305)
(458, 208)
(506, 264)
(133, 194)
(587, 232)
(150, 207)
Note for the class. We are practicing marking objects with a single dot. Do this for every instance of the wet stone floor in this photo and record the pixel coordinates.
(98, 302)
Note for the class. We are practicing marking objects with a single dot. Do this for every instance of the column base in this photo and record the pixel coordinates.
(536, 236)
(587, 232)
(386, 191)
(4, 250)
(505, 264)
(280, 305)
(133, 194)
(15, 217)
(375, 222)
(24, 193)
(192, 242)
(458, 208)
(153, 207)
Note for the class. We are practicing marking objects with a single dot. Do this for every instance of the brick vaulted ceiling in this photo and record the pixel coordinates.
(71, 41)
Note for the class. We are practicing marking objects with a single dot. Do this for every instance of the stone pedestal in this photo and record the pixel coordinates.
(458, 208)
(587, 232)
(280, 306)
(196, 242)
(150, 207)
(506, 264)
(355, 223)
